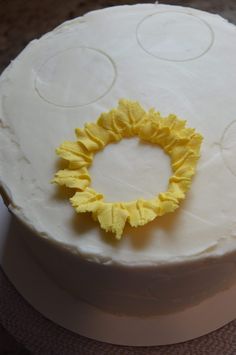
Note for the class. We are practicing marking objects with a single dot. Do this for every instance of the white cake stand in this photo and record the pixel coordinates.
(58, 306)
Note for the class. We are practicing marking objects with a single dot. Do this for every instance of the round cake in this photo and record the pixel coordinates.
(177, 60)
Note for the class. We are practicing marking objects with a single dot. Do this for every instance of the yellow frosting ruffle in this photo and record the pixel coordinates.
(129, 120)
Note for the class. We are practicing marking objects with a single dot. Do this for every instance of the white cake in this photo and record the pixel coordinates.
(175, 59)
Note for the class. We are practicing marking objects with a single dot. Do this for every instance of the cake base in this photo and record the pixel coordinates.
(60, 307)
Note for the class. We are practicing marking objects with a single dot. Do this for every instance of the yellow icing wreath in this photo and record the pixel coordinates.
(128, 120)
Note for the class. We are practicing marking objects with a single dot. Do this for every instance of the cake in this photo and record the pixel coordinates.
(175, 59)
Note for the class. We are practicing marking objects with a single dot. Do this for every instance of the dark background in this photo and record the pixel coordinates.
(23, 20)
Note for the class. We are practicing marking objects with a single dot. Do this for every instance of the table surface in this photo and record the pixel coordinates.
(22, 21)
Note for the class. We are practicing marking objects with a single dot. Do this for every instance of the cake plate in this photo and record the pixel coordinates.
(60, 307)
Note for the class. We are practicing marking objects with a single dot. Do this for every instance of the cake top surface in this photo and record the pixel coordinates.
(175, 59)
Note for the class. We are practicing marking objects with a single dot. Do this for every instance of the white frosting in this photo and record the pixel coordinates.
(194, 89)
(166, 38)
(121, 171)
(177, 60)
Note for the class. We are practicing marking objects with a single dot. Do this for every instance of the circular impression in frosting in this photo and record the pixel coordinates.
(174, 36)
(75, 77)
(228, 147)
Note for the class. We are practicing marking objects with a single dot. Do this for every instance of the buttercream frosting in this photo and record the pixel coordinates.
(128, 120)
(176, 59)
(28, 126)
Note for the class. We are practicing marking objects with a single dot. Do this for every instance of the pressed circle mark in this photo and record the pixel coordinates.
(174, 36)
(75, 77)
(228, 147)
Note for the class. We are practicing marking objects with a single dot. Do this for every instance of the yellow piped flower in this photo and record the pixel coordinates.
(129, 120)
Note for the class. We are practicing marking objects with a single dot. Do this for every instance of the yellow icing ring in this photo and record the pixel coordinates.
(129, 120)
